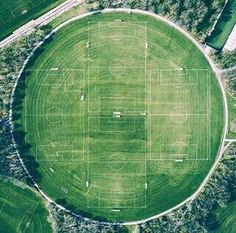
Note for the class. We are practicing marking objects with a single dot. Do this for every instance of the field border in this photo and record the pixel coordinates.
(185, 33)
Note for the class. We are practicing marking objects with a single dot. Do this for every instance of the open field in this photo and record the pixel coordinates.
(224, 26)
(123, 115)
(232, 117)
(77, 10)
(21, 210)
(226, 219)
(15, 13)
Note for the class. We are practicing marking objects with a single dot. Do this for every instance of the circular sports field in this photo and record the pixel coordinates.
(121, 116)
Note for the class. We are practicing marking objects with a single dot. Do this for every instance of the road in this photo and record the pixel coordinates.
(43, 20)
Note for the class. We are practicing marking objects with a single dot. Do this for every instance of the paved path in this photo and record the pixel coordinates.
(43, 20)
(215, 69)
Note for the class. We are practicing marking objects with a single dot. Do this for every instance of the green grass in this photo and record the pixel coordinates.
(77, 141)
(21, 210)
(131, 228)
(75, 11)
(224, 26)
(11, 16)
(226, 219)
(232, 116)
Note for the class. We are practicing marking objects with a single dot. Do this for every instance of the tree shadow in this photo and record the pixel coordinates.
(82, 213)
(23, 147)
(19, 133)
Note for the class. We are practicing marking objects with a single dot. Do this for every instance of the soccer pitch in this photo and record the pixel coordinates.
(21, 210)
(123, 114)
(15, 13)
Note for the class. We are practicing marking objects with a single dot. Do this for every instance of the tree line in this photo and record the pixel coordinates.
(12, 58)
(196, 16)
(224, 59)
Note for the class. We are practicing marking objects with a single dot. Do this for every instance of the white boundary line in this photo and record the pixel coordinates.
(45, 115)
(32, 210)
(108, 25)
(4, 203)
(30, 214)
(214, 68)
(196, 76)
(128, 111)
(145, 119)
(172, 156)
(170, 73)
